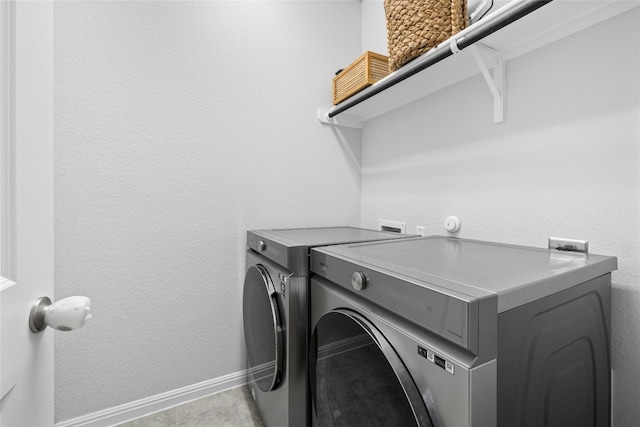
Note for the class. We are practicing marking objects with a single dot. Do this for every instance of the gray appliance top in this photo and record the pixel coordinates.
(290, 247)
(473, 269)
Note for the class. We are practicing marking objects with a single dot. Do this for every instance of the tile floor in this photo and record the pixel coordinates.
(230, 408)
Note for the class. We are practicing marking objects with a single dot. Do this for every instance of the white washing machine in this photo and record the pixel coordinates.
(447, 332)
(276, 316)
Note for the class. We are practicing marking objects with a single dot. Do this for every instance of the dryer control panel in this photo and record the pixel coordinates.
(434, 358)
(441, 311)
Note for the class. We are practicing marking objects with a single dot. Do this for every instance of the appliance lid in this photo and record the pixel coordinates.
(516, 274)
(311, 237)
(290, 247)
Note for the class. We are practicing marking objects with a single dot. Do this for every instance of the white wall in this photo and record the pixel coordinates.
(565, 163)
(374, 27)
(178, 126)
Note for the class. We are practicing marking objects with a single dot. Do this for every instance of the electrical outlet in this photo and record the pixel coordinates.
(569, 245)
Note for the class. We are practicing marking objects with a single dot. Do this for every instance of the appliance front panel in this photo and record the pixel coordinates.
(263, 329)
(451, 315)
(285, 404)
(444, 374)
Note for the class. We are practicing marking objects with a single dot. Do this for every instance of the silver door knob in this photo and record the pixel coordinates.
(66, 314)
(358, 280)
(262, 246)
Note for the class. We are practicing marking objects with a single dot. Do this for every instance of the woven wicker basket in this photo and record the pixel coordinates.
(416, 26)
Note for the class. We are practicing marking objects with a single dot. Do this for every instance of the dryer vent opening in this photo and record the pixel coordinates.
(392, 226)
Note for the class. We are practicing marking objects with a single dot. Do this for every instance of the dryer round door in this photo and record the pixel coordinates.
(358, 379)
(263, 331)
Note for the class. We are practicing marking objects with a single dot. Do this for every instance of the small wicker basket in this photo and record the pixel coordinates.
(416, 26)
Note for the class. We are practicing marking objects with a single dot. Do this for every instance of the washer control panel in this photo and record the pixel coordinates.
(434, 358)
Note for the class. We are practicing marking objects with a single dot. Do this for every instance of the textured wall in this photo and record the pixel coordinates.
(565, 163)
(178, 126)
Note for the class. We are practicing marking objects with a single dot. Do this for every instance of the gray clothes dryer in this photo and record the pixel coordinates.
(276, 316)
(447, 332)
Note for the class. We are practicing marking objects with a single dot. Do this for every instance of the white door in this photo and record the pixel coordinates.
(26, 358)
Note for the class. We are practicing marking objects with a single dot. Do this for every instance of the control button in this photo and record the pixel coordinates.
(358, 280)
(449, 367)
(262, 246)
(422, 352)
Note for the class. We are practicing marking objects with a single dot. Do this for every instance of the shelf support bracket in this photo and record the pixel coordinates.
(342, 120)
(496, 82)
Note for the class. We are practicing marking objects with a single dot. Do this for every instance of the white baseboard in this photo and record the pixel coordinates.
(149, 405)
